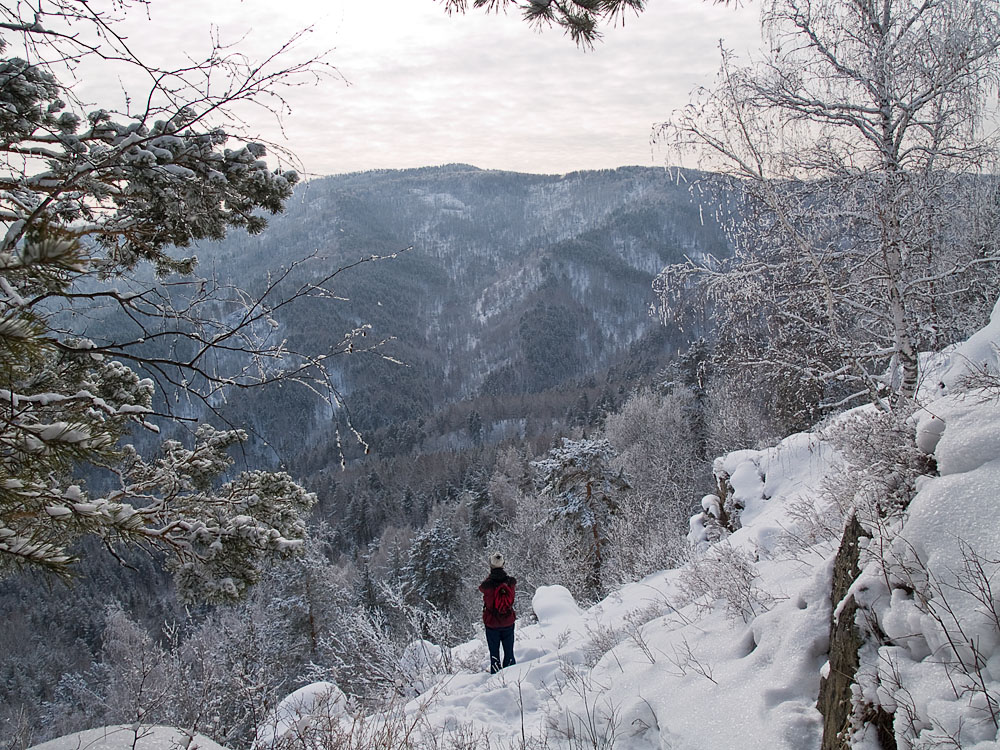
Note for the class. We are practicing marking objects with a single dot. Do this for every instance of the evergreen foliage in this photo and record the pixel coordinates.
(91, 201)
(579, 19)
(435, 568)
(579, 477)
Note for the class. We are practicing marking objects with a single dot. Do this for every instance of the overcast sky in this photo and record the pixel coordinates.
(422, 88)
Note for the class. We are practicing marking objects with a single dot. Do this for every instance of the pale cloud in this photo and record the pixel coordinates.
(426, 89)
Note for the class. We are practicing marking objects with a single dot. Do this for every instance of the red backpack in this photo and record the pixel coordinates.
(503, 599)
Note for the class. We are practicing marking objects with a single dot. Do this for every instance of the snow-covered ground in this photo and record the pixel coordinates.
(130, 738)
(677, 660)
(728, 651)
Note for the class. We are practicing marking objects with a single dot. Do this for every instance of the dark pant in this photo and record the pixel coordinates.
(495, 637)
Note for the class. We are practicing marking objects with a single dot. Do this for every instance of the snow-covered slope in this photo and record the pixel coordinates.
(729, 650)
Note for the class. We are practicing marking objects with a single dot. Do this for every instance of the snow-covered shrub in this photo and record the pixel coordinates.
(316, 718)
(17, 731)
(811, 523)
(728, 574)
(363, 654)
(660, 449)
(736, 413)
(582, 716)
(421, 663)
(643, 538)
(235, 665)
(603, 638)
(77, 701)
(883, 463)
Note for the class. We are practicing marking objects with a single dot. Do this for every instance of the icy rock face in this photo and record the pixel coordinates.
(929, 665)
(845, 641)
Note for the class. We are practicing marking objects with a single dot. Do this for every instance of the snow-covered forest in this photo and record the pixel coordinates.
(733, 427)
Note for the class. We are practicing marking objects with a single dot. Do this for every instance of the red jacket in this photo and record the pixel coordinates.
(492, 618)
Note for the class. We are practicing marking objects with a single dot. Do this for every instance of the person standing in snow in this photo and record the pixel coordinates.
(498, 613)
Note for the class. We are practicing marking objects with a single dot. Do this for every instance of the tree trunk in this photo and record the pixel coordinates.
(597, 572)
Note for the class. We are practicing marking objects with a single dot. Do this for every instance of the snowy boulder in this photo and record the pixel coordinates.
(697, 530)
(315, 704)
(980, 353)
(930, 428)
(975, 439)
(556, 610)
(712, 505)
(704, 528)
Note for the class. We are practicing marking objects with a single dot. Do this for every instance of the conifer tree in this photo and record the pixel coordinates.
(579, 477)
(94, 203)
(435, 568)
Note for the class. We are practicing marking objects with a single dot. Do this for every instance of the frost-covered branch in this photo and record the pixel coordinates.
(865, 183)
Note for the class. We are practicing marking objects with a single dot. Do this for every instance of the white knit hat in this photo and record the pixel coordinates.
(496, 560)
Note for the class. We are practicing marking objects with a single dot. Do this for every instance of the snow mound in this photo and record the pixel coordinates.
(307, 706)
(124, 737)
(980, 353)
(556, 609)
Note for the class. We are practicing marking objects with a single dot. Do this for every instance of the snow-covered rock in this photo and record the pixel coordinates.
(309, 705)
(937, 607)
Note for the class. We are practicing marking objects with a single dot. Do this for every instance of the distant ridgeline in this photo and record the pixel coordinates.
(516, 286)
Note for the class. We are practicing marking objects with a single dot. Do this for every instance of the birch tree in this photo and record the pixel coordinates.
(862, 143)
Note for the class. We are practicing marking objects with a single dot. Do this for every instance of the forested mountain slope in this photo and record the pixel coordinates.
(510, 285)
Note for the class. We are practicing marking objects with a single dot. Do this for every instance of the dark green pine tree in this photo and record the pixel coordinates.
(435, 567)
(584, 488)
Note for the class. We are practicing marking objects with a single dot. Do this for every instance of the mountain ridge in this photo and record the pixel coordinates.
(510, 283)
